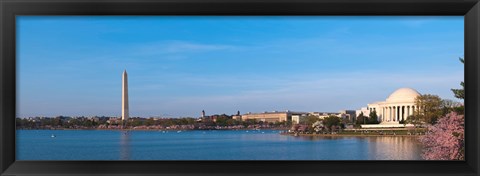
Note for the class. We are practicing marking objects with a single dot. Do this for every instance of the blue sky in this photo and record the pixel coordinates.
(179, 66)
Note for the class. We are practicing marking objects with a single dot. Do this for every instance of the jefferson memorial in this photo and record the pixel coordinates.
(397, 107)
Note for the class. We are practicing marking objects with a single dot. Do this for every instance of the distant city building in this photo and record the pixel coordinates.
(342, 114)
(268, 116)
(345, 114)
(295, 119)
(274, 116)
(112, 120)
(399, 105)
(237, 117)
(322, 115)
(349, 114)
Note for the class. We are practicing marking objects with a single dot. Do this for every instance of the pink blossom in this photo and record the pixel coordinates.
(446, 139)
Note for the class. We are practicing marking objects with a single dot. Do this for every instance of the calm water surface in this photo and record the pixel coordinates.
(207, 145)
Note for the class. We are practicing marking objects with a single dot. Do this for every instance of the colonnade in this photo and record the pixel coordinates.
(396, 113)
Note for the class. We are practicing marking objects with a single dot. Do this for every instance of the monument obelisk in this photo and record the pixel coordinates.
(124, 96)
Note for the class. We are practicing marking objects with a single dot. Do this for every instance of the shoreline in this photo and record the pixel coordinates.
(100, 129)
(289, 134)
(350, 135)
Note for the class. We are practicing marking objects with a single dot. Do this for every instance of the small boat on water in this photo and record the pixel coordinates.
(53, 136)
(179, 131)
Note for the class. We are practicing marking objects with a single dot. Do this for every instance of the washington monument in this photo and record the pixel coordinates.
(124, 96)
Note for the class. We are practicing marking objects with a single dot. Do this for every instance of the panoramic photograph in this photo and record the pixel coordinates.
(240, 88)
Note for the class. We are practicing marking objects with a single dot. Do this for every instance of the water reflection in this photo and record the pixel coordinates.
(125, 145)
(255, 145)
(394, 148)
(380, 147)
(314, 138)
(210, 145)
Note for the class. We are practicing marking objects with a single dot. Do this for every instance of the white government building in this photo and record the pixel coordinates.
(399, 105)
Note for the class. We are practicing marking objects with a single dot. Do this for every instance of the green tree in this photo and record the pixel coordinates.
(248, 122)
(361, 119)
(287, 124)
(136, 122)
(460, 93)
(150, 122)
(459, 110)
(20, 123)
(208, 122)
(373, 118)
(450, 105)
(167, 122)
(309, 120)
(430, 107)
(221, 121)
(231, 122)
(330, 121)
(190, 121)
(57, 121)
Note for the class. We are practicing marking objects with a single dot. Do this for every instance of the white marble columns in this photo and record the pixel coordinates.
(397, 112)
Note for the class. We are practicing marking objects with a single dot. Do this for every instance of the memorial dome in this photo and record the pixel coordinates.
(403, 95)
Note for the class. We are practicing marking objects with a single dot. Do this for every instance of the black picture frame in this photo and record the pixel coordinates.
(470, 9)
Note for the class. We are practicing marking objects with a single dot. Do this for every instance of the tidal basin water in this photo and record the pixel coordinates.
(207, 145)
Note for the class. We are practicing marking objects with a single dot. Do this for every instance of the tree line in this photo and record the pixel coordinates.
(210, 122)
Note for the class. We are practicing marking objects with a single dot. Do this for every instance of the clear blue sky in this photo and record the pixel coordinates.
(179, 66)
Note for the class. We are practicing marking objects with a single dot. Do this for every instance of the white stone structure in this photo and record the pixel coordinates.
(399, 105)
(296, 119)
(124, 96)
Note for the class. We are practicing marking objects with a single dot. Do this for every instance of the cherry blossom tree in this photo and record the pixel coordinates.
(446, 139)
